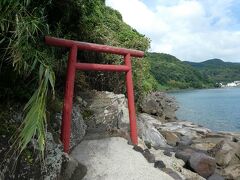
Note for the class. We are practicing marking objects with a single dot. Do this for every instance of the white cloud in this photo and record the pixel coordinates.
(191, 30)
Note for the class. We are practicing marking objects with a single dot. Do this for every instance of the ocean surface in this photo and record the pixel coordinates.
(216, 109)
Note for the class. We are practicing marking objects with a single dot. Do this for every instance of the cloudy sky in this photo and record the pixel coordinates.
(192, 30)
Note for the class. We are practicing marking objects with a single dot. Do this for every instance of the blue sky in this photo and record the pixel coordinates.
(192, 30)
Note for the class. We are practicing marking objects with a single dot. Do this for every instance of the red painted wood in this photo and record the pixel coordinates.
(68, 99)
(71, 70)
(102, 67)
(130, 96)
(92, 47)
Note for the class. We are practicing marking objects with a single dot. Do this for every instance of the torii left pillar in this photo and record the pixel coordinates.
(74, 64)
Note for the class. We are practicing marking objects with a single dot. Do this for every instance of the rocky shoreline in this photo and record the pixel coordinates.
(208, 154)
(182, 149)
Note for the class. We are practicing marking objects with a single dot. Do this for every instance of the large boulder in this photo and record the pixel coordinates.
(161, 105)
(181, 127)
(172, 138)
(185, 154)
(207, 143)
(232, 172)
(227, 153)
(148, 133)
(215, 177)
(177, 165)
(202, 164)
(113, 158)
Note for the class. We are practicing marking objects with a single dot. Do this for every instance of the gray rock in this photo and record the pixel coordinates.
(149, 156)
(151, 120)
(185, 154)
(138, 149)
(208, 144)
(171, 137)
(109, 110)
(215, 177)
(167, 153)
(202, 164)
(203, 146)
(184, 128)
(159, 164)
(232, 172)
(150, 106)
(161, 105)
(185, 141)
(226, 153)
(185, 131)
(147, 132)
(53, 159)
(72, 169)
(172, 173)
(148, 144)
(78, 126)
(112, 158)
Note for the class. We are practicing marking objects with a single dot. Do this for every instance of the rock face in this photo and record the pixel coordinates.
(228, 153)
(185, 128)
(202, 164)
(78, 126)
(147, 132)
(72, 169)
(53, 158)
(161, 105)
(232, 172)
(113, 158)
(171, 137)
(107, 110)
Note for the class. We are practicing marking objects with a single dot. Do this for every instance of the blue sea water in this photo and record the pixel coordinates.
(216, 109)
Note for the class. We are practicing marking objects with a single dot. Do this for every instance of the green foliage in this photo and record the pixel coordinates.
(31, 66)
(93, 21)
(34, 123)
(144, 82)
(172, 73)
(218, 70)
(22, 26)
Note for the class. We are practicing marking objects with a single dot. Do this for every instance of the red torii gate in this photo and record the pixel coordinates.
(74, 65)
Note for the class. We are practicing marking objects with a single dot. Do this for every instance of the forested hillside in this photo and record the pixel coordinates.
(218, 70)
(171, 73)
(33, 73)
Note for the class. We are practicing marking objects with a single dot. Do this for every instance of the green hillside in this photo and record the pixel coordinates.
(172, 73)
(217, 70)
(33, 74)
